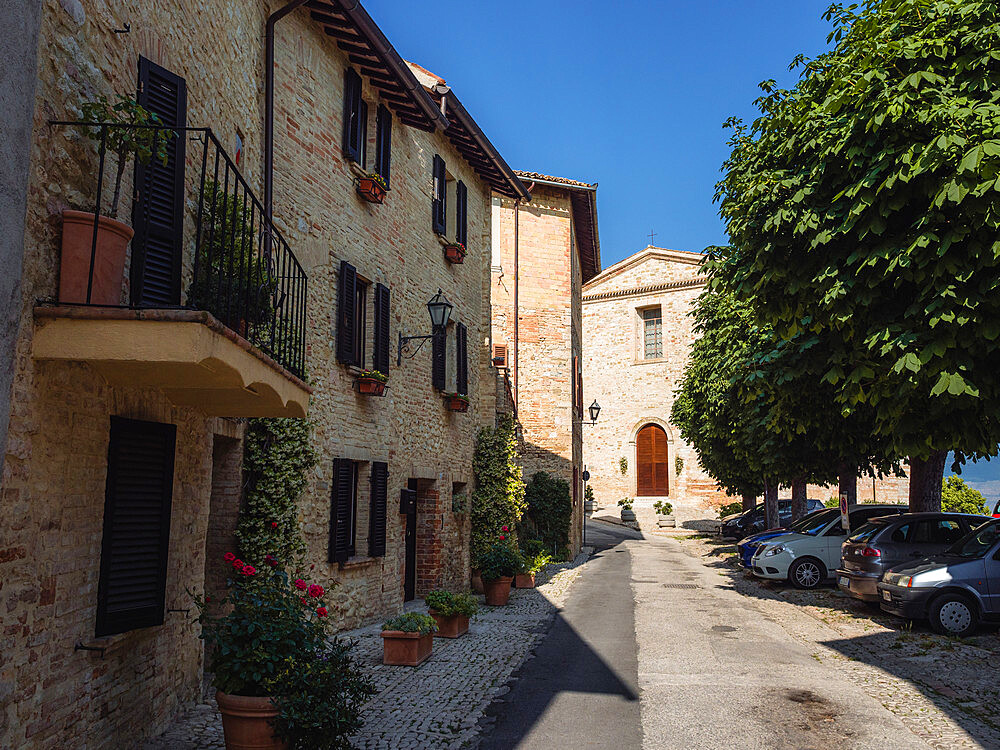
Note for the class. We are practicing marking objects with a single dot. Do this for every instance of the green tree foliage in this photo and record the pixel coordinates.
(498, 500)
(277, 457)
(958, 497)
(862, 207)
(550, 511)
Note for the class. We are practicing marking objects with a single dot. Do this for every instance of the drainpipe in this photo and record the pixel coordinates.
(517, 276)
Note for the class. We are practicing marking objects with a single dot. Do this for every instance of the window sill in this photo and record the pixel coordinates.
(358, 562)
(657, 361)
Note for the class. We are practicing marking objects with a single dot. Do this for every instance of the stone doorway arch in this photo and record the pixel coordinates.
(652, 461)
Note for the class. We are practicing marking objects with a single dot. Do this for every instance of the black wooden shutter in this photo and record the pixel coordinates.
(158, 208)
(363, 133)
(380, 355)
(438, 204)
(341, 507)
(346, 313)
(377, 512)
(383, 143)
(130, 592)
(461, 213)
(461, 359)
(352, 115)
(439, 366)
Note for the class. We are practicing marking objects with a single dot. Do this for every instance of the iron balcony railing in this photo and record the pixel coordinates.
(203, 240)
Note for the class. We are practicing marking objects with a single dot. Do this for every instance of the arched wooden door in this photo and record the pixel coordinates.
(652, 475)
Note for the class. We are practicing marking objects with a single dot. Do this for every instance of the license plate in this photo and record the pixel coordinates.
(887, 596)
(845, 582)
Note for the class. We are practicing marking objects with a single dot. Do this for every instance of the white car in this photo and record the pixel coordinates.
(808, 556)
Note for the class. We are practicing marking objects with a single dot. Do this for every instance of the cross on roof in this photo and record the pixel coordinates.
(652, 234)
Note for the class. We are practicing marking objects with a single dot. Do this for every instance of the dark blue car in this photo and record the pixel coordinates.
(747, 547)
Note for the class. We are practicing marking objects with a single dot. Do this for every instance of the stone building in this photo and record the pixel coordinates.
(637, 337)
(544, 250)
(133, 374)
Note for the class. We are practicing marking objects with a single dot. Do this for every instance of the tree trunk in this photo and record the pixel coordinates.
(770, 504)
(749, 501)
(926, 476)
(848, 483)
(798, 499)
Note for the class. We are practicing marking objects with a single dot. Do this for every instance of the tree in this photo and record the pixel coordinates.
(958, 497)
(862, 206)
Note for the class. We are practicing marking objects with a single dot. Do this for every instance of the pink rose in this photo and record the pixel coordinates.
(300, 584)
(321, 611)
(229, 557)
(249, 570)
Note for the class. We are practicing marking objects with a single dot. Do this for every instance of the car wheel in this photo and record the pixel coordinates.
(953, 614)
(806, 573)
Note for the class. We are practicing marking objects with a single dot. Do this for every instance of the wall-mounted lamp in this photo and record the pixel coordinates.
(594, 409)
(440, 311)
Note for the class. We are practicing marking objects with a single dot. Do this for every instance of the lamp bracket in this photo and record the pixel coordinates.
(404, 342)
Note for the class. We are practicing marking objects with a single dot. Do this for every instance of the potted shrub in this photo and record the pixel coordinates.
(283, 679)
(456, 402)
(532, 565)
(141, 143)
(372, 187)
(407, 639)
(371, 383)
(498, 565)
(455, 252)
(589, 502)
(664, 513)
(627, 514)
(451, 612)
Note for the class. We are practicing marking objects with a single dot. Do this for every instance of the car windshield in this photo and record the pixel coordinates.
(815, 523)
(804, 521)
(865, 533)
(978, 542)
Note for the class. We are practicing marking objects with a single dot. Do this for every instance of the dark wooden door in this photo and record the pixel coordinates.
(652, 475)
(408, 503)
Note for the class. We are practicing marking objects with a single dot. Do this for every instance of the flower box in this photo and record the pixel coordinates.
(455, 252)
(524, 581)
(370, 386)
(371, 189)
(450, 626)
(402, 649)
(455, 402)
(498, 591)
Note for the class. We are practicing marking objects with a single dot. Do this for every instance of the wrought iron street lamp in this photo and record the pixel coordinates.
(595, 409)
(440, 311)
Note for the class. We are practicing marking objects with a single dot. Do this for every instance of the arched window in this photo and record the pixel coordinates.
(652, 468)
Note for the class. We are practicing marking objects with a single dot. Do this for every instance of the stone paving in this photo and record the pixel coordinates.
(440, 703)
(945, 690)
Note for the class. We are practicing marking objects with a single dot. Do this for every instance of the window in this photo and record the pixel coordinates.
(343, 510)
(351, 315)
(438, 208)
(576, 387)
(652, 333)
(461, 359)
(461, 214)
(138, 492)
(383, 142)
(499, 355)
(496, 234)
(360, 308)
(355, 118)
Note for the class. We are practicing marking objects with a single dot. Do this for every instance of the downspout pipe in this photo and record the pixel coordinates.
(517, 313)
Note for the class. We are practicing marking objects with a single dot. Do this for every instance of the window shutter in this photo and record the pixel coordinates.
(575, 386)
(341, 502)
(383, 142)
(380, 356)
(158, 211)
(363, 132)
(377, 513)
(461, 359)
(348, 293)
(438, 213)
(461, 213)
(500, 355)
(352, 115)
(439, 366)
(131, 589)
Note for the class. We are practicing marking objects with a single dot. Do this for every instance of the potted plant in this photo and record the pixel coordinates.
(498, 565)
(589, 502)
(456, 402)
(664, 513)
(627, 514)
(143, 144)
(526, 578)
(371, 382)
(455, 252)
(283, 679)
(407, 639)
(451, 612)
(372, 187)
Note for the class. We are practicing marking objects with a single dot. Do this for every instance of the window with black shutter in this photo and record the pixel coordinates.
(132, 584)
(377, 513)
(380, 353)
(383, 142)
(461, 214)
(461, 359)
(347, 314)
(354, 119)
(158, 208)
(343, 510)
(439, 364)
(438, 212)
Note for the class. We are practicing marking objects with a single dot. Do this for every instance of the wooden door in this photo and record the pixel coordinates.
(409, 506)
(652, 468)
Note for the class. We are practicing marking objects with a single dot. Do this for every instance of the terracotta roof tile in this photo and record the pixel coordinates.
(550, 178)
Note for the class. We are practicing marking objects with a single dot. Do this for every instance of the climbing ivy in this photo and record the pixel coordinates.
(498, 500)
(276, 458)
(550, 511)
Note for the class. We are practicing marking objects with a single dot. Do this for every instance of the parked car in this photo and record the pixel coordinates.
(739, 525)
(883, 543)
(996, 511)
(808, 555)
(746, 547)
(955, 589)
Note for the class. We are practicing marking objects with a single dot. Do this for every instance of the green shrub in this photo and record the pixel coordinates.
(447, 604)
(958, 497)
(729, 508)
(588, 494)
(536, 562)
(550, 509)
(625, 503)
(832, 502)
(533, 547)
(500, 560)
(411, 622)
(663, 508)
(498, 500)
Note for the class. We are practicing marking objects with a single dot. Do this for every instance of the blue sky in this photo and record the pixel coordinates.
(631, 95)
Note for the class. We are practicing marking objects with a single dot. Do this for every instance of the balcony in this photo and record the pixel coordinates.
(198, 296)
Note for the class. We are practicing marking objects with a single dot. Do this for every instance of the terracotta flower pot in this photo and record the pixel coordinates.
(454, 253)
(477, 582)
(454, 403)
(371, 190)
(524, 580)
(498, 591)
(248, 722)
(109, 258)
(404, 649)
(371, 386)
(450, 626)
